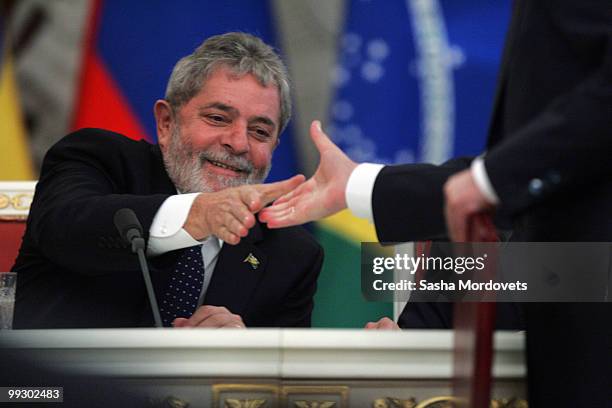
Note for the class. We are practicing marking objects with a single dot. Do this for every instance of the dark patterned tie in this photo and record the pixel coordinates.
(184, 286)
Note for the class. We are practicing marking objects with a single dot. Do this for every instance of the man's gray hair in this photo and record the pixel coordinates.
(243, 54)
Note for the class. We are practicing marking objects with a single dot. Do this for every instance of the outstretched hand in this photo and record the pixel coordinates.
(320, 196)
(228, 214)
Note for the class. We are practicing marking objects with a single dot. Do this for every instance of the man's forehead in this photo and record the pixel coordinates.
(226, 73)
(241, 94)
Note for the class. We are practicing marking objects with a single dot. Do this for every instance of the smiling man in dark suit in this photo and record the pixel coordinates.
(196, 194)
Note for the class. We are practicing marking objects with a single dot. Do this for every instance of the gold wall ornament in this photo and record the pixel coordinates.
(4, 201)
(21, 202)
(440, 402)
(244, 403)
(443, 402)
(16, 198)
(509, 403)
(314, 396)
(390, 402)
(244, 395)
(314, 404)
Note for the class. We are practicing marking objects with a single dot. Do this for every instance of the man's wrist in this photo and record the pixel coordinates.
(482, 181)
(166, 232)
(193, 224)
(358, 194)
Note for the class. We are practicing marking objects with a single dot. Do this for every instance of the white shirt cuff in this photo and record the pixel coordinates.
(359, 190)
(481, 178)
(166, 232)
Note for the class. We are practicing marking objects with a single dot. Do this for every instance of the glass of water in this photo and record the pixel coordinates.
(8, 284)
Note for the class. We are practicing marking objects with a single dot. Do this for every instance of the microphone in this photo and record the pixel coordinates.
(129, 227)
(130, 230)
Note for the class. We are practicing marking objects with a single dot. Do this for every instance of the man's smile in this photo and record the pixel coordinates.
(226, 166)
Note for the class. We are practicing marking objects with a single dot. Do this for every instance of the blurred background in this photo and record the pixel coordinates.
(394, 81)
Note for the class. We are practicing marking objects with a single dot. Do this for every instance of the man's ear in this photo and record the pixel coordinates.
(164, 120)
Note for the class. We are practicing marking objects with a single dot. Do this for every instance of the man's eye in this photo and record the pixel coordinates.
(217, 118)
(261, 133)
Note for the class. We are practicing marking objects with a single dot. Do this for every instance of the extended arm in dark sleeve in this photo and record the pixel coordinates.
(408, 202)
(85, 179)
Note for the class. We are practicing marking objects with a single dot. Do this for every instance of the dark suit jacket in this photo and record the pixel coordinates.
(550, 161)
(74, 271)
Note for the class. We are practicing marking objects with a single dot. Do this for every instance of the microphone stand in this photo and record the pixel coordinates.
(138, 246)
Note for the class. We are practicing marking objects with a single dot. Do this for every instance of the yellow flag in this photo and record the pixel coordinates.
(355, 229)
(15, 158)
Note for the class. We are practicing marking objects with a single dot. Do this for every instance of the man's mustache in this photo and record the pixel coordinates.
(237, 162)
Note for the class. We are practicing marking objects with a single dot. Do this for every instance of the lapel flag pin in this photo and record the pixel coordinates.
(251, 260)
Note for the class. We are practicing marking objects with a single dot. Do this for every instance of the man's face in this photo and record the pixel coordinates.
(224, 136)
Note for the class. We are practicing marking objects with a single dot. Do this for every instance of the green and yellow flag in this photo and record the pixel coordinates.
(338, 301)
(15, 158)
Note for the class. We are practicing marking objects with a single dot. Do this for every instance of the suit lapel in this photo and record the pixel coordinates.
(237, 273)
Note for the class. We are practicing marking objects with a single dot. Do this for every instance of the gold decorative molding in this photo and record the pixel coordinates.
(439, 402)
(390, 402)
(509, 403)
(300, 396)
(261, 395)
(15, 199)
(314, 404)
(22, 202)
(4, 201)
(443, 402)
(326, 396)
(18, 202)
(244, 395)
(244, 403)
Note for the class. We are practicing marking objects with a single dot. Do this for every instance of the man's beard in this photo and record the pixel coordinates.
(184, 166)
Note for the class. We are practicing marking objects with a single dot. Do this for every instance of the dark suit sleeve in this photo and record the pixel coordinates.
(408, 202)
(84, 181)
(298, 306)
(568, 145)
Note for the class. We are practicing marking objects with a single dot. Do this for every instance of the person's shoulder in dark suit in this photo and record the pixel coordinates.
(98, 147)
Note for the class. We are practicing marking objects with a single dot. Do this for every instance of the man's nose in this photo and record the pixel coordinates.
(236, 140)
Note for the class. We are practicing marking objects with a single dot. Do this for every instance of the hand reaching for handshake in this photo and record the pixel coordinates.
(321, 195)
(228, 214)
